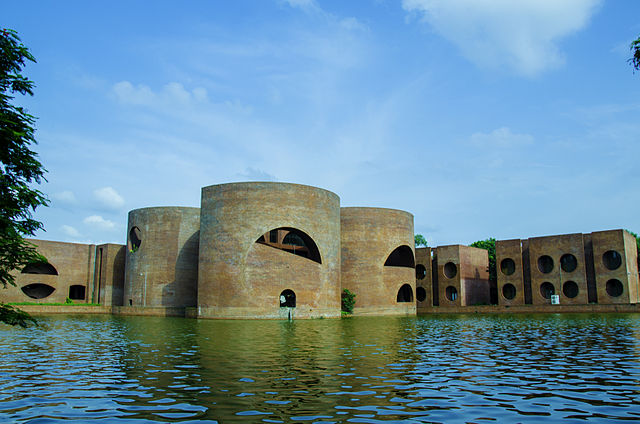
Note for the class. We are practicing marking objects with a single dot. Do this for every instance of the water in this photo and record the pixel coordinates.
(359, 370)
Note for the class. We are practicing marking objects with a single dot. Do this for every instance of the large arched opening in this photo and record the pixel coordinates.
(292, 240)
(43, 268)
(401, 256)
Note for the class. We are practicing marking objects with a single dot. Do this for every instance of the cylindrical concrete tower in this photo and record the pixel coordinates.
(162, 257)
(269, 250)
(378, 260)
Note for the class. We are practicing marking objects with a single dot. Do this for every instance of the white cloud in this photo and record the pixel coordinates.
(98, 222)
(109, 198)
(172, 94)
(521, 35)
(70, 231)
(253, 174)
(501, 137)
(64, 197)
(306, 5)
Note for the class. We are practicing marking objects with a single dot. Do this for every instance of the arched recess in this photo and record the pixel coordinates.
(292, 240)
(401, 256)
(38, 290)
(405, 294)
(287, 299)
(40, 268)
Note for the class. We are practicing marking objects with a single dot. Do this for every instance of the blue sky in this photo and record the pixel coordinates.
(483, 118)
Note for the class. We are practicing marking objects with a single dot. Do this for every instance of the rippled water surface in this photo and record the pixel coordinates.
(361, 370)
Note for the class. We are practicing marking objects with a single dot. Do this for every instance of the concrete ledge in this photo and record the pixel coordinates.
(531, 309)
(155, 311)
(64, 309)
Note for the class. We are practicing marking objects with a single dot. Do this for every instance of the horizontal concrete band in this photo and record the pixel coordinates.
(250, 313)
(531, 309)
(385, 310)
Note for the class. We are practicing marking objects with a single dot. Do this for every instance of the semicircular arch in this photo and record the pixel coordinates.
(401, 256)
(291, 240)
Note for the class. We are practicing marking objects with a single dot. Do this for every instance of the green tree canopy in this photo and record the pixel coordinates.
(489, 245)
(420, 240)
(19, 169)
(635, 49)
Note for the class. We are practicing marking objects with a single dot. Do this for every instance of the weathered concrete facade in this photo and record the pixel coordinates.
(425, 288)
(162, 257)
(84, 273)
(600, 267)
(243, 273)
(378, 262)
(462, 274)
(278, 250)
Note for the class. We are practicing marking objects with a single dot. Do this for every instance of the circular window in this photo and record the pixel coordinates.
(509, 291)
(421, 272)
(451, 293)
(508, 266)
(421, 294)
(568, 263)
(450, 270)
(612, 259)
(545, 264)
(547, 290)
(570, 289)
(135, 239)
(614, 288)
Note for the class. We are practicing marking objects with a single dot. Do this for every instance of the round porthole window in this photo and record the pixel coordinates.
(612, 259)
(568, 262)
(508, 266)
(421, 272)
(509, 291)
(545, 264)
(614, 288)
(421, 294)
(450, 270)
(570, 289)
(547, 290)
(451, 293)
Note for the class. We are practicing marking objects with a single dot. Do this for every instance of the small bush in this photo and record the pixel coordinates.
(348, 301)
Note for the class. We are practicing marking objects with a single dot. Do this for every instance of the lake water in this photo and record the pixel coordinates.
(359, 370)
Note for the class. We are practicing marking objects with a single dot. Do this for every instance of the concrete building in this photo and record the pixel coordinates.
(378, 262)
(601, 267)
(278, 250)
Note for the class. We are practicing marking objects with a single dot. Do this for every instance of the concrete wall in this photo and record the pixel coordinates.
(424, 278)
(570, 282)
(626, 273)
(463, 277)
(240, 278)
(369, 236)
(74, 265)
(163, 270)
(510, 272)
(109, 274)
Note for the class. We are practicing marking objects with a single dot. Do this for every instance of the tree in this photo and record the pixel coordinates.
(490, 246)
(420, 240)
(19, 169)
(635, 59)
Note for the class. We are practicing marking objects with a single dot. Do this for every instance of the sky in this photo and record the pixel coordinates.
(483, 118)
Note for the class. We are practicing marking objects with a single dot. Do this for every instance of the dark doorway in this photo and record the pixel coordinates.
(405, 294)
(287, 299)
(77, 292)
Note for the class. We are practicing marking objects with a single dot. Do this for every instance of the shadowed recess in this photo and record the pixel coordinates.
(405, 294)
(401, 256)
(40, 268)
(77, 292)
(292, 240)
(287, 299)
(38, 290)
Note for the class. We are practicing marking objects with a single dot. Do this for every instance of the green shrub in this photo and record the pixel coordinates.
(348, 301)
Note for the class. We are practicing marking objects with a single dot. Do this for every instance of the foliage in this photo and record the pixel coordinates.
(490, 246)
(19, 169)
(348, 301)
(635, 59)
(420, 240)
(14, 316)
